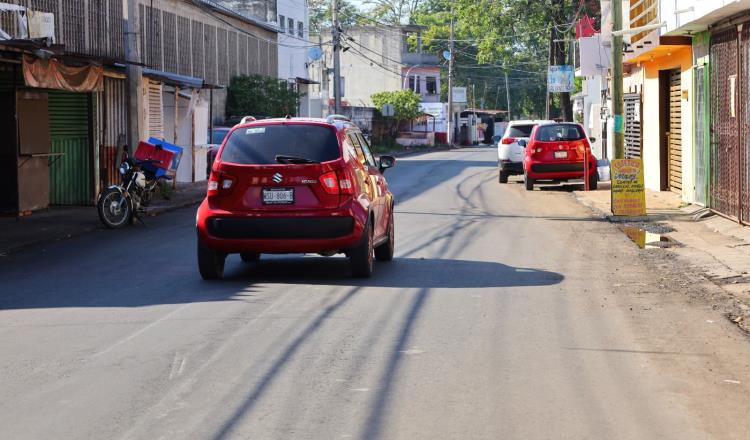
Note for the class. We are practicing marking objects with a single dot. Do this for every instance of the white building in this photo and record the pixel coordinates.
(294, 34)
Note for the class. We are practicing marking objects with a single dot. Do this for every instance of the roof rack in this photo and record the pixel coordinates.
(332, 118)
(247, 119)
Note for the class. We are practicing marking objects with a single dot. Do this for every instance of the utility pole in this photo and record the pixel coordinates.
(507, 95)
(336, 61)
(617, 103)
(450, 86)
(134, 78)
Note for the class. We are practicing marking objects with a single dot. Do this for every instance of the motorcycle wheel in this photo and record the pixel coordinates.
(115, 210)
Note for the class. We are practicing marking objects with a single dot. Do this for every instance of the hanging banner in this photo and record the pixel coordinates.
(52, 74)
(561, 79)
(628, 191)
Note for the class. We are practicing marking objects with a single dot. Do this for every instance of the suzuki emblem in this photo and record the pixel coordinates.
(277, 177)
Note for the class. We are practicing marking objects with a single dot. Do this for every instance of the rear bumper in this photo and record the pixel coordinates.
(561, 170)
(511, 167)
(298, 232)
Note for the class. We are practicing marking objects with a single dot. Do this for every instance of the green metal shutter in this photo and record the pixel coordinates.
(70, 174)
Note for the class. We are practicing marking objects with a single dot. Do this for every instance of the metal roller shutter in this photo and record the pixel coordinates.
(675, 131)
(70, 174)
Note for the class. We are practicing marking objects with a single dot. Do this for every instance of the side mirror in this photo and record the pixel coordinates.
(385, 162)
(592, 139)
(522, 143)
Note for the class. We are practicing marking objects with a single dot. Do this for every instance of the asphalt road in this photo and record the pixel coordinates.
(505, 315)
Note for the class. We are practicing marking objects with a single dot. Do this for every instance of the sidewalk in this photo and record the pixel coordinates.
(705, 243)
(60, 223)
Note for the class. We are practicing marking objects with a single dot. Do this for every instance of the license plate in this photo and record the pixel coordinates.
(561, 154)
(278, 196)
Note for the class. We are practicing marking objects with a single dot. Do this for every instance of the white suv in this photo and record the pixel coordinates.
(509, 153)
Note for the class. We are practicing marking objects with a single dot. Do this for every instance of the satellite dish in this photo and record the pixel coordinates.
(314, 53)
(447, 55)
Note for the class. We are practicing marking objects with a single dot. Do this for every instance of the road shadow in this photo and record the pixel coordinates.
(404, 273)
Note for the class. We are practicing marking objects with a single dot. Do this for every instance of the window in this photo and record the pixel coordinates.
(431, 85)
(414, 83)
(260, 144)
(366, 149)
(291, 26)
(363, 151)
(300, 30)
(522, 131)
(557, 133)
(342, 86)
(282, 23)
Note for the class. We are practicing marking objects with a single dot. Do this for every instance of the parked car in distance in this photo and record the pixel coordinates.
(555, 152)
(215, 139)
(296, 185)
(510, 153)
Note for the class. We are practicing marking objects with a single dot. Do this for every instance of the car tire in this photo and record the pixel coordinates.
(502, 176)
(210, 263)
(593, 181)
(384, 252)
(361, 257)
(250, 257)
(529, 182)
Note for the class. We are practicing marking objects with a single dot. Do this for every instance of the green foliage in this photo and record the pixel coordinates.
(259, 95)
(321, 17)
(405, 103)
(498, 36)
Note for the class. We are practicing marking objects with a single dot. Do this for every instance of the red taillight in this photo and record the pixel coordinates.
(508, 140)
(330, 182)
(220, 183)
(334, 183)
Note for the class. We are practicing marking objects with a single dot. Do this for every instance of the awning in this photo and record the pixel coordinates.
(174, 79)
(305, 81)
(53, 74)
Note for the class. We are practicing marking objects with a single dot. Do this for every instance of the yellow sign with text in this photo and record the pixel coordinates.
(628, 190)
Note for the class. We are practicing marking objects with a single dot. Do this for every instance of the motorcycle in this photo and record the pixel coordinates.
(120, 204)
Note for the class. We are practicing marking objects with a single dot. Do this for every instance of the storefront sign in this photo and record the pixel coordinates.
(561, 79)
(628, 191)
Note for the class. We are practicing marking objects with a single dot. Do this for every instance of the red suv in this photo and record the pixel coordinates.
(296, 185)
(555, 152)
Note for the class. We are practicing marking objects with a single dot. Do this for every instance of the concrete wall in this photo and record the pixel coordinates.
(365, 72)
(646, 80)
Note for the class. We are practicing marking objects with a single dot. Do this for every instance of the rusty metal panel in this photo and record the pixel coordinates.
(209, 47)
(151, 34)
(242, 55)
(169, 36)
(198, 66)
(725, 84)
(232, 44)
(114, 126)
(184, 38)
(222, 53)
(744, 109)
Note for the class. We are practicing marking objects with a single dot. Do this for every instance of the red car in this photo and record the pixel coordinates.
(296, 185)
(555, 152)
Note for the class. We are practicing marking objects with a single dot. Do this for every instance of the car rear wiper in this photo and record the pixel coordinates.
(281, 158)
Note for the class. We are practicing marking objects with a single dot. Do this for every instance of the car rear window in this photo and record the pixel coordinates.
(218, 135)
(555, 133)
(260, 144)
(522, 131)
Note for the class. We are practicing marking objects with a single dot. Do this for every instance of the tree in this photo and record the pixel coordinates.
(259, 95)
(498, 36)
(405, 105)
(393, 12)
(321, 18)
